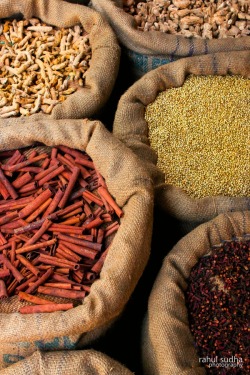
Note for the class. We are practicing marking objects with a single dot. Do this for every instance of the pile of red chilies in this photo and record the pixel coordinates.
(55, 216)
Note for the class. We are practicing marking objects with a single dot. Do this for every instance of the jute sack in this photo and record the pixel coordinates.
(104, 66)
(148, 50)
(71, 362)
(131, 186)
(167, 342)
(131, 127)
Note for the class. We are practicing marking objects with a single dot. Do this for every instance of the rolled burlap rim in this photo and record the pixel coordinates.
(131, 127)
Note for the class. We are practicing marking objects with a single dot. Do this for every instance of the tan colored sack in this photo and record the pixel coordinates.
(130, 184)
(100, 77)
(148, 50)
(167, 343)
(75, 362)
(71, 362)
(131, 127)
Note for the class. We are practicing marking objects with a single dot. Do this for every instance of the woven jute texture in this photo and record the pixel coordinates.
(104, 66)
(131, 127)
(129, 183)
(71, 362)
(167, 342)
(147, 50)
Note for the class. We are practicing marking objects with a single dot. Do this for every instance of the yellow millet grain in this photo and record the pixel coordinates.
(201, 133)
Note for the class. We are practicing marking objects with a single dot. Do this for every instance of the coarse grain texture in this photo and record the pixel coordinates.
(200, 132)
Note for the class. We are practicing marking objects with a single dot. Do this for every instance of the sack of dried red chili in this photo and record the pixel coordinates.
(164, 119)
(58, 60)
(126, 257)
(77, 362)
(197, 312)
(153, 33)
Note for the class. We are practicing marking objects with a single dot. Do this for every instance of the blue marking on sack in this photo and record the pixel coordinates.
(191, 47)
(158, 62)
(145, 63)
(140, 61)
(177, 46)
(56, 343)
(68, 344)
(48, 345)
(206, 46)
(12, 358)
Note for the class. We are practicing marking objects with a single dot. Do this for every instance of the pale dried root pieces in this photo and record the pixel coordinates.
(40, 65)
(207, 19)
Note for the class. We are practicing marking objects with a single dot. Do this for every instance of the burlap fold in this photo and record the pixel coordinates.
(71, 362)
(131, 127)
(104, 66)
(148, 50)
(167, 342)
(130, 184)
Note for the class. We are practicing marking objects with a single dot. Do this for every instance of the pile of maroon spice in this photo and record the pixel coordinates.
(56, 221)
(217, 299)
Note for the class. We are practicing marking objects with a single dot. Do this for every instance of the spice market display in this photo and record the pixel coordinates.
(40, 65)
(55, 226)
(189, 125)
(200, 131)
(192, 18)
(217, 300)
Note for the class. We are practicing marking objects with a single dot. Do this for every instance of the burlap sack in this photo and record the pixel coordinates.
(148, 50)
(131, 127)
(129, 183)
(71, 362)
(167, 342)
(104, 66)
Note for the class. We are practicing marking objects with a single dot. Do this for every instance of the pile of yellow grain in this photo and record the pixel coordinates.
(201, 133)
